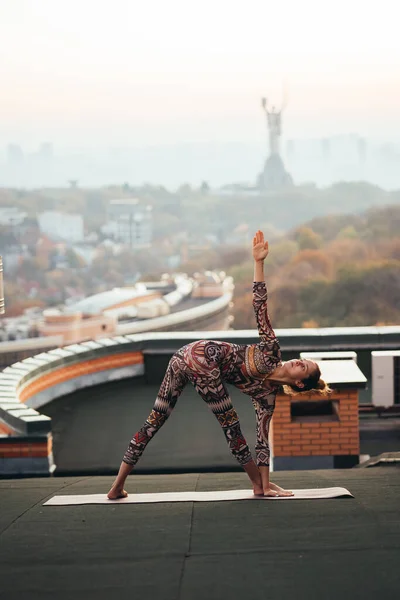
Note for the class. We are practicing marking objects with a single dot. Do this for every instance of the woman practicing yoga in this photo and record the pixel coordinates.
(256, 369)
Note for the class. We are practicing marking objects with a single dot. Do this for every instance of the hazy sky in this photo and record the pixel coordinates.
(127, 72)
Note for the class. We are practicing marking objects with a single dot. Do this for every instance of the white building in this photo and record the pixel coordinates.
(130, 222)
(11, 215)
(61, 226)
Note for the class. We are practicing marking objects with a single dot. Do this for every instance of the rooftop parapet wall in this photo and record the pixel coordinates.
(24, 377)
(39, 379)
(362, 339)
(25, 434)
(31, 383)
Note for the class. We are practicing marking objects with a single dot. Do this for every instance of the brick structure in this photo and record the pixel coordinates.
(34, 448)
(311, 432)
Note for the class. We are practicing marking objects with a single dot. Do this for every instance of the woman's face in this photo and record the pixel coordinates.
(299, 368)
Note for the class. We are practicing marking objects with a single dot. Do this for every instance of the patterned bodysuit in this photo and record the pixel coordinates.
(208, 365)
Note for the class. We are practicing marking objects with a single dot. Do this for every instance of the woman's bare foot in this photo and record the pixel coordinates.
(258, 490)
(116, 493)
(117, 488)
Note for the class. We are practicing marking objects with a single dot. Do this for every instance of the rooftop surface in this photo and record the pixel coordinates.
(327, 549)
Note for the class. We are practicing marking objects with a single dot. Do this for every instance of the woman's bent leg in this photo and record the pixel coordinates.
(173, 383)
(216, 396)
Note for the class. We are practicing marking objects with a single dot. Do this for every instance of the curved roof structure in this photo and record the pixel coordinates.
(97, 303)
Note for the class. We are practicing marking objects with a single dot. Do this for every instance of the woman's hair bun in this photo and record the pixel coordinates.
(323, 387)
(320, 388)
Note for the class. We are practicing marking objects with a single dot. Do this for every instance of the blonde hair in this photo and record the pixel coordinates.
(318, 388)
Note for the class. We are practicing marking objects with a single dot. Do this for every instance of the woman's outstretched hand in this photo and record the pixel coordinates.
(260, 247)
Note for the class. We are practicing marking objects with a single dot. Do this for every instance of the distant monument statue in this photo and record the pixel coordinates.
(274, 125)
(274, 174)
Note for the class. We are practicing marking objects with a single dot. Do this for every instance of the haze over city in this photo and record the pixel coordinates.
(170, 92)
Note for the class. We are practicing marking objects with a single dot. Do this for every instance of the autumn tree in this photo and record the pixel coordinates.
(307, 239)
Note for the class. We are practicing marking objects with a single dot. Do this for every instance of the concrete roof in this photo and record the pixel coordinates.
(328, 549)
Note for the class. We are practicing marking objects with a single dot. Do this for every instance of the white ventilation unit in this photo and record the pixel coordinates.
(385, 377)
(329, 355)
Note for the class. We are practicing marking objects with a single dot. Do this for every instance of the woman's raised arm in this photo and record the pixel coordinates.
(260, 296)
(260, 253)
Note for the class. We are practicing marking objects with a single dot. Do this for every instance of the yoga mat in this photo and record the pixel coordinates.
(319, 493)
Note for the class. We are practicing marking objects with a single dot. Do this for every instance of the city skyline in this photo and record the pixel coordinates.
(322, 161)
